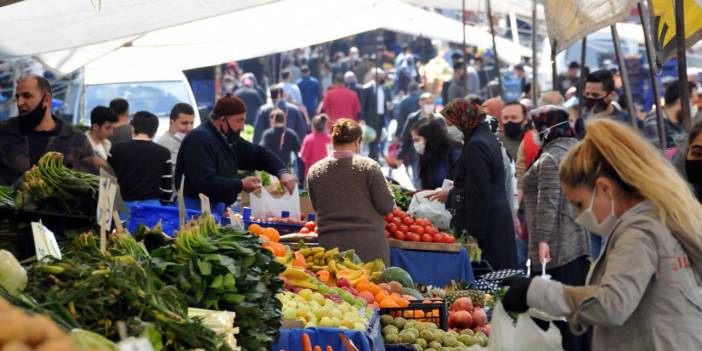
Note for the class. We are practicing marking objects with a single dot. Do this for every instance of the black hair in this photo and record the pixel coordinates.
(276, 91)
(695, 131)
(319, 122)
(339, 79)
(305, 69)
(437, 148)
(459, 65)
(119, 106)
(672, 91)
(602, 76)
(145, 122)
(517, 103)
(277, 115)
(519, 67)
(42, 82)
(179, 108)
(456, 56)
(102, 114)
(526, 88)
(285, 74)
(475, 98)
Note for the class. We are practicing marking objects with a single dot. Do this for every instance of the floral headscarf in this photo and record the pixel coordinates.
(551, 123)
(464, 114)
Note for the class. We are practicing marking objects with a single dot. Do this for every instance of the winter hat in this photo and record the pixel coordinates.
(228, 106)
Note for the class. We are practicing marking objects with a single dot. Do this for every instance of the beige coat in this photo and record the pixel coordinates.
(641, 294)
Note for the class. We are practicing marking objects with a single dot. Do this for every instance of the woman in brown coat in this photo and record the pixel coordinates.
(350, 195)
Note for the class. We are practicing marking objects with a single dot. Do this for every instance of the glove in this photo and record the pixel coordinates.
(515, 299)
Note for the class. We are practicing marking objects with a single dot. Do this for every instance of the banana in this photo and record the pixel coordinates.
(331, 266)
(331, 253)
(294, 274)
(303, 283)
(352, 265)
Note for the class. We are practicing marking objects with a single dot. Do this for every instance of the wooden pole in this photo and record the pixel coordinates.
(623, 72)
(682, 62)
(494, 49)
(643, 15)
(554, 69)
(534, 60)
(582, 81)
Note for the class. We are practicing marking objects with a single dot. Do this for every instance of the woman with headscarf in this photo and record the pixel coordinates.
(478, 200)
(554, 237)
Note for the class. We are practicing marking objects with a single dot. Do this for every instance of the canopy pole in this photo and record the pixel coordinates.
(643, 16)
(463, 30)
(554, 69)
(534, 60)
(623, 72)
(494, 49)
(682, 62)
(582, 81)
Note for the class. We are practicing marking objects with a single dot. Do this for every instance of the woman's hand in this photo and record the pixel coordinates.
(544, 252)
(440, 195)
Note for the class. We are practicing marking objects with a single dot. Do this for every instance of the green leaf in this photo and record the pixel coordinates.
(217, 282)
(229, 281)
(204, 267)
(154, 337)
(234, 298)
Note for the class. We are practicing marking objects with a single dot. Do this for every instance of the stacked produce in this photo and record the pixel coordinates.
(427, 337)
(21, 331)
(463, 316)
(403, 197)
(314, 309)
(401, 226)
(456, 290)
(51, 186)
(7, 198)
(270, 238)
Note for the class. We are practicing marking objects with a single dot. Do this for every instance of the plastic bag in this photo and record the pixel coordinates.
(435, 211)
(524, 336)
(12, 276)
(269, 206)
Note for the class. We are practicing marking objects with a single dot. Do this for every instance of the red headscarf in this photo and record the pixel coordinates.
(464, 114)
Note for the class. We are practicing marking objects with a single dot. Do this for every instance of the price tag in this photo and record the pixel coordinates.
(106, 198)
(205, 204)
(134, 344)
(44, 242)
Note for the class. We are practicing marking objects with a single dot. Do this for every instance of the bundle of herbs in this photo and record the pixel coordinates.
(93, 291)
(223, 269)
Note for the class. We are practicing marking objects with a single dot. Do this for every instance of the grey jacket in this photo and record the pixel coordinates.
(642, 293)
(550, 217)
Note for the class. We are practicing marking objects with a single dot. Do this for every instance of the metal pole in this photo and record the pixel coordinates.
(582, 81)
(623, 72)
(534, 60)
(682, 62)
(463, 30)
(554, 69)
(494, 49)
(652, 73)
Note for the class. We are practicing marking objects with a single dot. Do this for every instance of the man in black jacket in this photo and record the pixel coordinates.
(375, 105)
(212, 154)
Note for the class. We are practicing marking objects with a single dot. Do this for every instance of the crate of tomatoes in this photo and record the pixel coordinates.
(405, 231)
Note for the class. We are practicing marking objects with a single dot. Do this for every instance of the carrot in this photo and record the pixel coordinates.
(329, 348)
(317, 348)
(306, 343)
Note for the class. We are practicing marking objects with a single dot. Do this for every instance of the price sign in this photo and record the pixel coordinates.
(106, 198)
(205, 204)
(44, 242)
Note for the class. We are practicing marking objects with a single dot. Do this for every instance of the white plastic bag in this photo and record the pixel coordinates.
(269, 206)
(524, 336)
(435, 211)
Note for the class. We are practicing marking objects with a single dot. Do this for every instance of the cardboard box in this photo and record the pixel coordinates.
(424, 246)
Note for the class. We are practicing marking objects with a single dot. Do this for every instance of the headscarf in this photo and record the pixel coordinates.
(551, 123)
(464, 114)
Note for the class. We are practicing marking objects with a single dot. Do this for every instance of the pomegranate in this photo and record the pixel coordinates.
(479, 317)
(460, 320)
(462, 304)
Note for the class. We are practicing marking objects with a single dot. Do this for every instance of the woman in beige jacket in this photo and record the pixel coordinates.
(643, 293)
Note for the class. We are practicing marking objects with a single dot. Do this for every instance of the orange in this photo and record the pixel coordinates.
(408, 314)
(363, 286)
(427, 301)
(435, 313)
(362, 280)
(374, 288)
(256, 229)
(299, 260)
(388, 303)
(272, 234)
(419, 314)
(403, 302)
(380, 296)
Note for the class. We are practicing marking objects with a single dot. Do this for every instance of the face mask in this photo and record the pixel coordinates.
(232, 136)
(693, 170)
(513, 130)
(596, 105)
(179, 136)
(693, 110)
(588, 220)
(420, 147)
(428, 108)
(539, 139)
(455, 133)
(30, 120)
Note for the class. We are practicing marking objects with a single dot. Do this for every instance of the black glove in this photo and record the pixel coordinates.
(515, 299)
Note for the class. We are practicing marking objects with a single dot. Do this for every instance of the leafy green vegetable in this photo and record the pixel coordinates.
(403, 197)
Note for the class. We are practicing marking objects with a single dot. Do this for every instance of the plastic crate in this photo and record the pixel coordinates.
(150, 215)
(282, 228)
(434, 312)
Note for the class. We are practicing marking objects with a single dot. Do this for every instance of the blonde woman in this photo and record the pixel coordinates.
(643, 293)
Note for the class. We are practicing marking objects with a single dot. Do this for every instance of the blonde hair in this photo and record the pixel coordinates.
(613, 150)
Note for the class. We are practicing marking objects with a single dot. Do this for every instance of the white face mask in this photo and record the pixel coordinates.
(539, 140)
(428, 108)
(693, 110)
(455, 133)
(179, 136)
(420, 146)
(588, 220)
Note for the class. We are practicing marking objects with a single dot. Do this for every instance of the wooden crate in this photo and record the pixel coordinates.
(424, 246)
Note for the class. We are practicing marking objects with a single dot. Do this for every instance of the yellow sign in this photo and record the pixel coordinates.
(663, 23)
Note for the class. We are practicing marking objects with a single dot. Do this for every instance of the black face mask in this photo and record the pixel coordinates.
(596, 105)
(231, 135)
(693, 169)
(30, 120)
(514, 130)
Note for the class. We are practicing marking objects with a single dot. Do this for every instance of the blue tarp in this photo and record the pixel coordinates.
(433, 267)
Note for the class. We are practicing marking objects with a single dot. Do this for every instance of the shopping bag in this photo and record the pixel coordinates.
(524, 336)
(435, 211)
(266, 205)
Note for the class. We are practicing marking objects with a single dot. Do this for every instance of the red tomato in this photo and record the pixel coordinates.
(304, 230)
(403, 228)
(387, 235)
(396, 211)
(399, 235)
(437, 238)
(417, 229)
(414, 237)
(391, 227)
(408, 221)
(449, 239)
(422, 222)
(388, 218)
(397, 221)
(431, 230)
(427, 238)
(311, 225)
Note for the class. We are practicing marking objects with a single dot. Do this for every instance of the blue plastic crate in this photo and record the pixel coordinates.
(282, 228)
(150, 215)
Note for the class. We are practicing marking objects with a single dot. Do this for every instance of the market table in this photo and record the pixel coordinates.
(433, 267)
(291, 338)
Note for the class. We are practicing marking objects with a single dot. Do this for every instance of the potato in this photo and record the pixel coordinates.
(16, 346)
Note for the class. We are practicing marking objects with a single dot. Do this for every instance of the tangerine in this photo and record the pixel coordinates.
(388, 303)
(255, 229)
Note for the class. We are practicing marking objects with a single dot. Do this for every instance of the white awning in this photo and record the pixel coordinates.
(519, 7)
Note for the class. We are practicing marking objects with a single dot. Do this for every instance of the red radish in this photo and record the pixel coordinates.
(479, 317)
(460, 320)
(462, 304)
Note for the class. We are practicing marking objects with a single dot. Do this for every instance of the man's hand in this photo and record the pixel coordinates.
(544, 252)
(440, 195)
(250, 184)
(289, 181)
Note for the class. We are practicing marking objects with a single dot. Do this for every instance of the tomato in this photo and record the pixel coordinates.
(387, 235)
(427, 238)
(311, 225)
(449, 239)
(396, 211)
(408, 221)
(397, 221)
(437, 238)
(422, 222)
(403, 228)
(414, 237)
(304, 230)
(391, 227)
(431, 230)
(399, 235)
(417, 229)
(388, 218)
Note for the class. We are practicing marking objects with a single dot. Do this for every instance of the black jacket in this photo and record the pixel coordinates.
(210, 164)
(408, 105)
(369, 106)
(279, 144)
(478, 200)
(252, 101)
